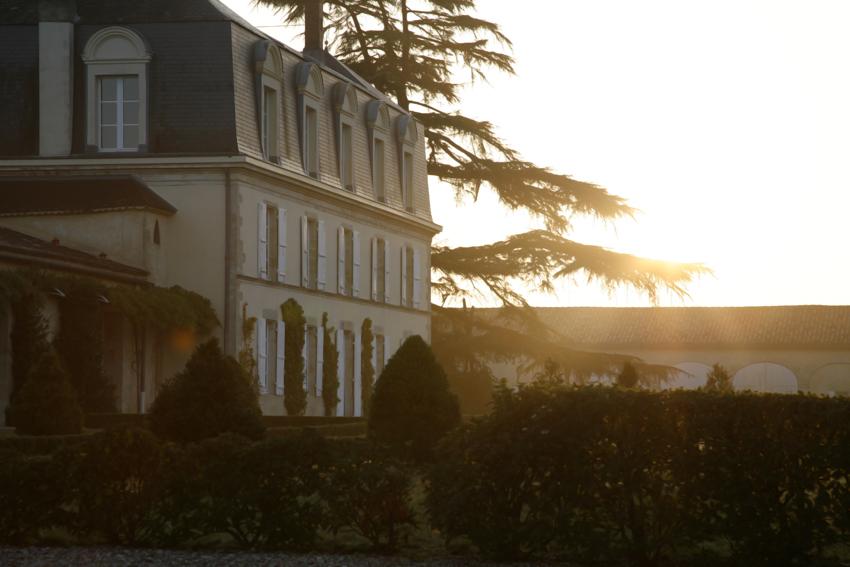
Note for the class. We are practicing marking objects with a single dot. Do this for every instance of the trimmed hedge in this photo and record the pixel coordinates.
(606, 474)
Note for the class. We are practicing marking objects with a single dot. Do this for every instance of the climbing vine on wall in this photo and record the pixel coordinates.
(367, 370)
(247, 358)
(79, 343)
(294, 395)
(330, 380)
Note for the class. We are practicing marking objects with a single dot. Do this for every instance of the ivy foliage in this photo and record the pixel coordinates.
(28, 338)
(330, 368)
(165, 309)
(367, 370)
(294, 395)
(79, 342)
(209, 397)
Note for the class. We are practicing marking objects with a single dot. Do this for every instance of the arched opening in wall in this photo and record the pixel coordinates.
(831, 380)
(692, 376)
(765, 377)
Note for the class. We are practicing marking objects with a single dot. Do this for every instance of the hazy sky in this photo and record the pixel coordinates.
(727, 123)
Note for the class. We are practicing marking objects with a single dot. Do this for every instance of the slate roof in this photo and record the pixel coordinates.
(77, 194)
(791, 326)
(18, 247)
(126, 11)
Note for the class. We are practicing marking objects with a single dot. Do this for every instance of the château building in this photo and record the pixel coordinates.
(172, 143)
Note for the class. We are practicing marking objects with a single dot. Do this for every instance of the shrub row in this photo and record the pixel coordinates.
(605, 474)
(126, 487)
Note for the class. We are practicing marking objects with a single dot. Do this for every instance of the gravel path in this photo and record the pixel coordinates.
(124, 557)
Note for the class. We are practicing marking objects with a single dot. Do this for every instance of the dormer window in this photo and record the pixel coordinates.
(116, 60)
(378, 128)
(310, 89)
(268, 69)
(406, 136)
(345, 109)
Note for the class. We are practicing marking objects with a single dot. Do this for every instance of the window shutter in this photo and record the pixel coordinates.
(262, 361)
(355, 242)
(340, 375)
(323, 255)
(340, 270)
(374, 269)
(304, 356)
(281, 347)
(305, 252)
(404, 275)
(262, 242)
(320, 359)
(417, 279)
(358, 394)
(386, 272)
(281, 245)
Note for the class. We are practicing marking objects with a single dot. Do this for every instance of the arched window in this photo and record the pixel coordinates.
(765, 377)
(377, 131)
(406, 136)
(345, 109)
(310, 90)
(116, 60)
(268, 70)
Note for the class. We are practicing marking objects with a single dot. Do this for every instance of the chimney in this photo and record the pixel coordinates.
(55, 76)
(314, 25)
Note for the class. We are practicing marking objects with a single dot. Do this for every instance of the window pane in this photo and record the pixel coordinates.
(346, 156)
(108, 88)
(108, 137)
(108, 113)
(131, 113)
(131, 137)
(312, 143)
(379, 169)
(131, 88)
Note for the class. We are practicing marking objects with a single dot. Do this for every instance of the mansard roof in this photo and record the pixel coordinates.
(41, 195)
(19, 248)
(127, 12)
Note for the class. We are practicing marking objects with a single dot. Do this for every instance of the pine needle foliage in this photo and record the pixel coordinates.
(422, 53)
(294, 395)
(719, 380)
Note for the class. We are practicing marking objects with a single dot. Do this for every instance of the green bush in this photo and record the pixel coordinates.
(264, 495)
(330, 368)
(369, 492)
(118, 481)
(412, 407)
(31, 495)
(46, 404)
(212, 395)
(608, 474)
(28, 341)
(367, 371)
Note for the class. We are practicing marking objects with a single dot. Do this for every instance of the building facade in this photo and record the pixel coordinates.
(780, 349)
(281, 175)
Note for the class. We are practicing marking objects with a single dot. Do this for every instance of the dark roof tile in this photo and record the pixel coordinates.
(77, 194)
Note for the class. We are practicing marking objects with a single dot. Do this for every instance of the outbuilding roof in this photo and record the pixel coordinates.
(19, 248)
(77, 194)
(781, 327)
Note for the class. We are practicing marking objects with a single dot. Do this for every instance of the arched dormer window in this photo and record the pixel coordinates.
(116, 60)
(406, 136)
(345, 109)
(310, 89)
(268, 72)
(377, 132)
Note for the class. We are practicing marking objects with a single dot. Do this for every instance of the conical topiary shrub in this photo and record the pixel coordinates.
(46, 403)
(412, 407)
(211, 396)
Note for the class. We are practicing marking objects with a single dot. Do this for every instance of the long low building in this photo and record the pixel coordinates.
(794, 348)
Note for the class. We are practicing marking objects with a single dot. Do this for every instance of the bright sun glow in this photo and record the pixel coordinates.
(726, 123)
